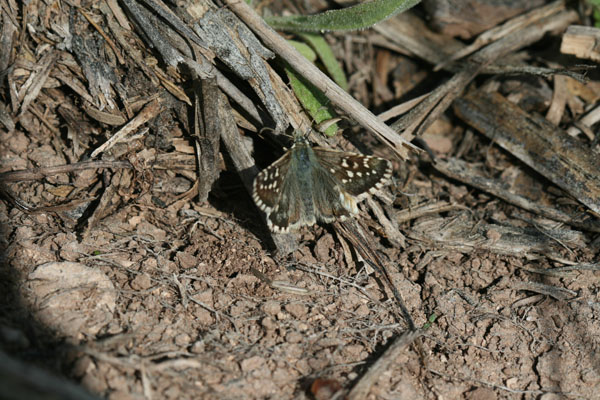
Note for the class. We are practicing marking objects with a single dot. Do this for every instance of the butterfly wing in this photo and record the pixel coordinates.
(268, 184)
(331, 202)
(359, 175)
(288, 213)
(276, 191)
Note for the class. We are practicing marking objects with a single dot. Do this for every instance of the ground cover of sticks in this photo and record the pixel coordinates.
(135, 264)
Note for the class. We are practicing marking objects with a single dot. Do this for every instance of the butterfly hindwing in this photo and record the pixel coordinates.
(268, 184)
(330, 200)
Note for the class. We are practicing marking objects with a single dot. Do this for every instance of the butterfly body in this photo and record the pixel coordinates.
(313, 184)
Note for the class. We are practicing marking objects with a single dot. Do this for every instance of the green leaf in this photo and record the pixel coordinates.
(596, 14)
(595, 11)
(318, 43)
(429, 322)
(304, 49)
(312, 99)
(360, 16)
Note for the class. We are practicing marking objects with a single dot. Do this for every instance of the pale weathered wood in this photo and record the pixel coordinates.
(337, 95)
(582, 42)
(461, 232)
(246, 167)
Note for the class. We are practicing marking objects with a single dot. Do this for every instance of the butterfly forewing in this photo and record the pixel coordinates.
(288, 213)
(268, 184)
(358, 174)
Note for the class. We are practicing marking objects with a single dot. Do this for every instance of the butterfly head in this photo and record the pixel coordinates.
(300, 137)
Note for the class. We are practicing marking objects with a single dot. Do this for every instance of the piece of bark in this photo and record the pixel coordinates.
(113, 118)
(5, 117)
(558, 293)
(36, 80)
(589, 119)
(390, 227)
(582, 42)
(8, 35)
(559, 100)
(549, 150)
(241, 51)
(436, 207)
(43, 172)
(207, 129)
(150, 111)
(110, 200)
(98, 71)
(464, 172)
(121, 35)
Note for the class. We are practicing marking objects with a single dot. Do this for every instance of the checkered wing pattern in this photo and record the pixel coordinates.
(275, 193)
(267, 190)
(359, 175)
(311, 184)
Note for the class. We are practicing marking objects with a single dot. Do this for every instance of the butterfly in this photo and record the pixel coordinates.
(314, 184)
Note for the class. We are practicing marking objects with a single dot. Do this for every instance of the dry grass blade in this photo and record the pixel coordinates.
(362, 388)
(337, 96)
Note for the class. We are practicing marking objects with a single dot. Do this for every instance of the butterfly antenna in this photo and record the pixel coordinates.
(265, 128)
(307, 133)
